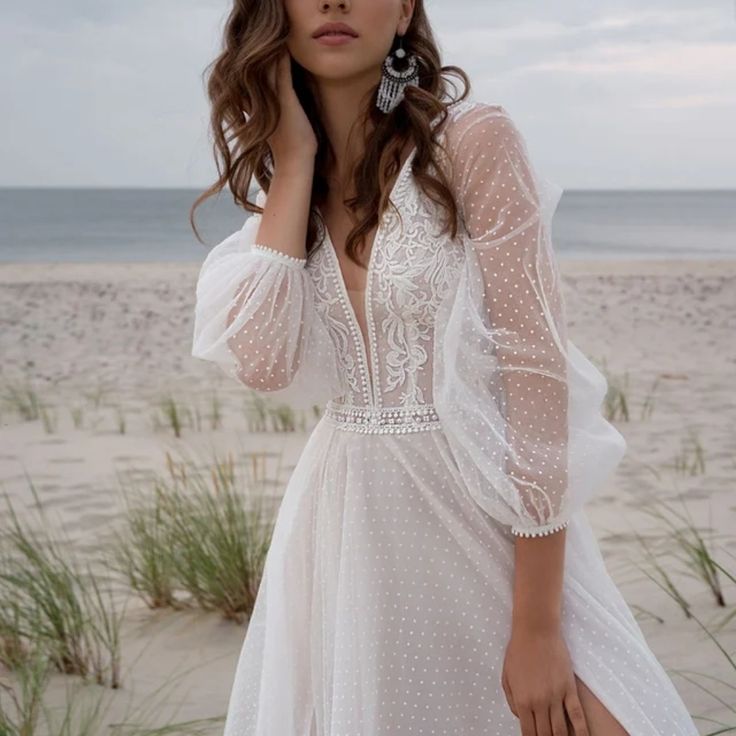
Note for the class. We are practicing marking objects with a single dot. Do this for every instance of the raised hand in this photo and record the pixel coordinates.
(294, 137)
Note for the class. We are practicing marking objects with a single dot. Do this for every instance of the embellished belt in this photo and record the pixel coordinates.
(383, 420)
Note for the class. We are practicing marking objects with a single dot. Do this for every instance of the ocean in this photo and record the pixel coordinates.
(66, 224)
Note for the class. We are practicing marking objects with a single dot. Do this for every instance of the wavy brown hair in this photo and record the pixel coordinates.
(254, 37)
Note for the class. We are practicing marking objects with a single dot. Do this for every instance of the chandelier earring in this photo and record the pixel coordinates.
(394, 81)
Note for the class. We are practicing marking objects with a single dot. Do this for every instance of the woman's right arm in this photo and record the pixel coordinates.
(293, 147)
(255, 314)
(264, 328)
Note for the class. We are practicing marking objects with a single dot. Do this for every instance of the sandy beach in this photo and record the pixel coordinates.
(104, 343)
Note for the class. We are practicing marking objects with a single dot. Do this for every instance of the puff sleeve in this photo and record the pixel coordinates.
(520, 404)
(255, 316)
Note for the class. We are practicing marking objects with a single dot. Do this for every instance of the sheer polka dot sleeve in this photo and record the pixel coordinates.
(522, 405)
(255, 317)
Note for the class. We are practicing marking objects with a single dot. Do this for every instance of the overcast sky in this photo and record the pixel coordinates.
(608, 94)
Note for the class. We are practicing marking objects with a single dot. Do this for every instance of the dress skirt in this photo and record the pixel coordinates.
(385, 606)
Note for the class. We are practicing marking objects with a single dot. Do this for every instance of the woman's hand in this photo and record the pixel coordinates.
(539, 683)
(294, 139)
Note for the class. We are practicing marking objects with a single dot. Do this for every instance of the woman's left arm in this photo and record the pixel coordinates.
(538, 678)
(513, 280)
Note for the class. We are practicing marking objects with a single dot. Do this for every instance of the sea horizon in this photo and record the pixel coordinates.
(128, 224)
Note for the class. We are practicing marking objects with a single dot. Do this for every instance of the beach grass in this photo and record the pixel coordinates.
(693, 547)
(85, 709)
(693, 552)
(200, 531)
(616, 400)
(22, 398)
(649, 401)
(172, 414)
(690, 459)
(50, 599)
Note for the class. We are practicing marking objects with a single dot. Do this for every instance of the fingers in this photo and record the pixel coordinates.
(542, 722)
(509, 696)
(526, 721)
(575, 712)
(549, 720)
(279, 72)
(285, 86)
(557, 719)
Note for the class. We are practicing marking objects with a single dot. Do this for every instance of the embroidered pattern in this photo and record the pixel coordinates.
(412, 269)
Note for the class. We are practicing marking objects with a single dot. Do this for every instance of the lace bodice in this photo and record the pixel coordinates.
(466, 335)
(409, 272)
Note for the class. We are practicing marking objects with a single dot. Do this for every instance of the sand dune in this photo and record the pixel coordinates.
(107, 341)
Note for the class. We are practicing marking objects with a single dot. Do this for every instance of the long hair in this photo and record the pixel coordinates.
(254, 36)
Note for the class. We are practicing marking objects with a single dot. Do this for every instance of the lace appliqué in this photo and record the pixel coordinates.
(329, 305)
(412, 271)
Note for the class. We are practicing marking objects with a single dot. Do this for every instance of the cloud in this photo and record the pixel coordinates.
(99, 93)
(692, 101)
(716, 61)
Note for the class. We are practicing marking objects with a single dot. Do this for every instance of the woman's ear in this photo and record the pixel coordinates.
(407, 11)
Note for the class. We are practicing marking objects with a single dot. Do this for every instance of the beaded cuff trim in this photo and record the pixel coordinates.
(278, 255)
(542, 532)
(384, 420)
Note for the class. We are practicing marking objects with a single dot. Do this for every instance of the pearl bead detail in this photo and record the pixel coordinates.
(540, 532)
(384, 420)
(278, 255)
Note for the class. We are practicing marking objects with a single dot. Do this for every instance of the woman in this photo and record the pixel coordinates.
(431, 569)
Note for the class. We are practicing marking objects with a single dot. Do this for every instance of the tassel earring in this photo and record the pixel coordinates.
(393, 81)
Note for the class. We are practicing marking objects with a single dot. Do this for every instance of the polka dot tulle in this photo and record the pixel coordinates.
(458, 416)
(251, 321)
(521, 404)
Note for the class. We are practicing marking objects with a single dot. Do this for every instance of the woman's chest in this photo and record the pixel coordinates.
(410, 268)
(384, 335)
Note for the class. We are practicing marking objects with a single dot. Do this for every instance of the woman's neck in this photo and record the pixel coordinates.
(341, 105)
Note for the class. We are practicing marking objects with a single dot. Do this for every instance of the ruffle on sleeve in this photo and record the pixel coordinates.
(519, 403)
(255, 317)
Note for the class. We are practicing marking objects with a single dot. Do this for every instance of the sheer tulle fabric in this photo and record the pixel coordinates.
(255, 318)
(386, 605)
(520, 404)
(386, 600)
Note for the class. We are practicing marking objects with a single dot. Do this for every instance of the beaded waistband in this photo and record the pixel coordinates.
(383, 420)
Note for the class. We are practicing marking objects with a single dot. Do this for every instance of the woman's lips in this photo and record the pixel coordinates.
(334, 39)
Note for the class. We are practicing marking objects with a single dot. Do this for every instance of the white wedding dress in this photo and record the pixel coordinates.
(457, 414)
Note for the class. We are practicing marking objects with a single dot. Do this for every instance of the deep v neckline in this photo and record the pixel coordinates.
(364, 342)
(376, 237)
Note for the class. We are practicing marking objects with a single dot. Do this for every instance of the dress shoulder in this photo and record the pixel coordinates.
(473, 131)
(464, 114)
